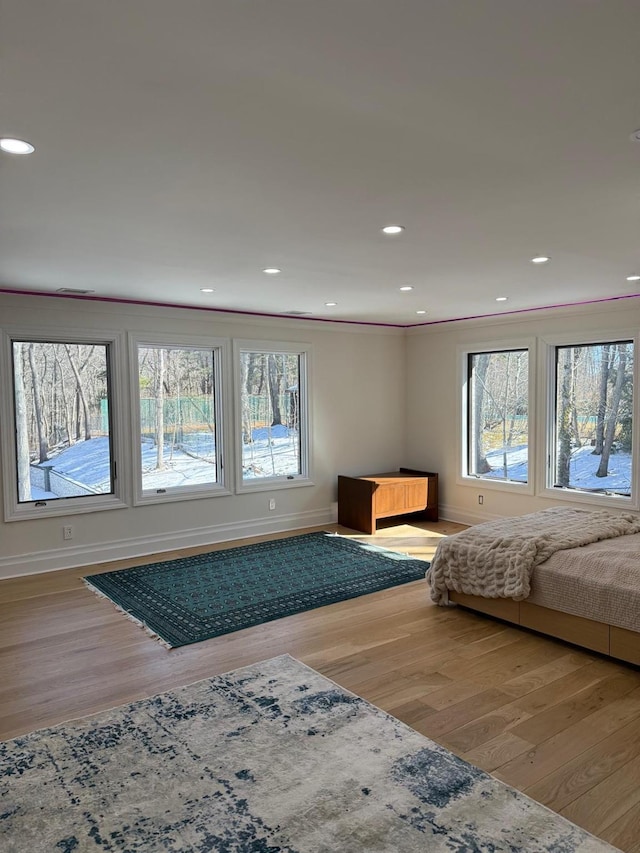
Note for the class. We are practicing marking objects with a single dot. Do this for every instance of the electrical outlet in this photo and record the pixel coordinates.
(272, 503)
(480, 499)
(67, 532)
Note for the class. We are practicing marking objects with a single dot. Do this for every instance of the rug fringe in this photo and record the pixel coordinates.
(129, 616)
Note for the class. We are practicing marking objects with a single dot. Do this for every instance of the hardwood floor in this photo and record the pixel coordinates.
(561, 724)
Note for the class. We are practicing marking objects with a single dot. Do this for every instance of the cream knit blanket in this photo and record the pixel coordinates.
(496, 559)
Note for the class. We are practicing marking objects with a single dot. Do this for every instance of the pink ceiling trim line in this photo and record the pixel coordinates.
(525, 310)
(125, 301)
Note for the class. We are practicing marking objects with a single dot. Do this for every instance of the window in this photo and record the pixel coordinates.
(272, 420)
(178, 419)
(496, 411)
(592, 429)
(63, 449)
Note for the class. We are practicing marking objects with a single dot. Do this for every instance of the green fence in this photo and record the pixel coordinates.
(196, 413)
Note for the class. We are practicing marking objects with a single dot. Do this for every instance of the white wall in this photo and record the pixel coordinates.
(433, 430)
(380, 398)
(357, 395)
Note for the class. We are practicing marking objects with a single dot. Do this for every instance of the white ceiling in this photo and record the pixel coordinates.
(183, 144)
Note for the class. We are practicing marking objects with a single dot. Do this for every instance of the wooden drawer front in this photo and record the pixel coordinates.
(573, 629)
(501, 608)
(398, 498)
(389, 499)
(415, 496)
(625, 644)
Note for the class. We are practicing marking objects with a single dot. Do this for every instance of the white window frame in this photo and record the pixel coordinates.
(120, 498)
(547, 426)
(464, 478)
(222, 403)
(263, 484)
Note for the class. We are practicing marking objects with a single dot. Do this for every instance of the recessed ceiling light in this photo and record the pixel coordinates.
(633, 278)
(331, 304)
(16, 146)
(501, 298)
(206, 290)
(421, 312)
(406, 288)
(393, 229)
(540, 259)
(272, 271)
(635, 136)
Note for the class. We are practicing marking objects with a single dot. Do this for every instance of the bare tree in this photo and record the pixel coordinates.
(59, 382)
(511, 402)
(43, 448)
(159, 392)
(612, 420)
(605, 369)
(564, 424)
(82, 400)
(275, 372)
(480, 369)
(255, 375)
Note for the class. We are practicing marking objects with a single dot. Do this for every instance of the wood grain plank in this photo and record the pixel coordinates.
(555, 751)
(609, 800)
(546, 674)
(496, 751)
(624, 832)
(482, 729)
(581, 704)
(578, 776)
(456, 715)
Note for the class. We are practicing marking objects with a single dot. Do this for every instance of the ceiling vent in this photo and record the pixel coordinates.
(297, 313)
(76, 291)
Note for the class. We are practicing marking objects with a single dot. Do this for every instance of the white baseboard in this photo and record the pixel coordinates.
(141, 546)
(465, 516)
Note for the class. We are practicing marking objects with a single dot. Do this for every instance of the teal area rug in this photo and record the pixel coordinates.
(271, 758)
(195, 598)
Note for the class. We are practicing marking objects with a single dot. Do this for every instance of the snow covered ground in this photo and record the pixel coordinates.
(582, 469)
(273, 452)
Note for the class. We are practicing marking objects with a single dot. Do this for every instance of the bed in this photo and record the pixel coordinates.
(570, 573)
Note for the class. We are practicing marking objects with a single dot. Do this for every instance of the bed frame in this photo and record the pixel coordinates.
(597, 636)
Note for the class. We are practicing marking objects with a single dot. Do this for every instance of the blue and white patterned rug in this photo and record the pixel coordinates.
(271, 758)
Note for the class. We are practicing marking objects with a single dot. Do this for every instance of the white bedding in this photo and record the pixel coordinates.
(496, 559)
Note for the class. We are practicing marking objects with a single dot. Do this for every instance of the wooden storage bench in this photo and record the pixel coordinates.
(363, 500)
